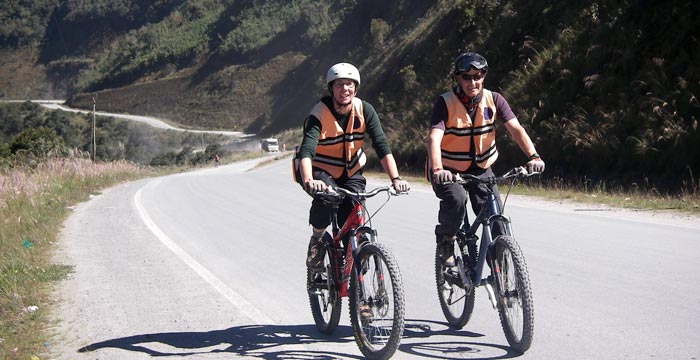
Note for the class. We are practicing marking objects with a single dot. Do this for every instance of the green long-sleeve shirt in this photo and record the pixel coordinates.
(312, 129)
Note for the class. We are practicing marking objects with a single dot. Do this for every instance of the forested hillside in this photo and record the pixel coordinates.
(607, 89)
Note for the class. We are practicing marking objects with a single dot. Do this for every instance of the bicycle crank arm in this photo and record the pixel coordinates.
(492, 294)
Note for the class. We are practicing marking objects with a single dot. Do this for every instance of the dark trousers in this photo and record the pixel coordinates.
(453, 204)
(320, 213)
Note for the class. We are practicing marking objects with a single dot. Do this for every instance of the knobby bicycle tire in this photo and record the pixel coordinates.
(513, 293)
(456, 302)
(325, 302)
(379, 325)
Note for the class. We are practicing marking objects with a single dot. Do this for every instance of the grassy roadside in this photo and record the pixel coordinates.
(684, 204)
(34, 202)
(687, 203)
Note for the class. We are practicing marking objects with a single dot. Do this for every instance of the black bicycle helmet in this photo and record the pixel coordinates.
(469, 60)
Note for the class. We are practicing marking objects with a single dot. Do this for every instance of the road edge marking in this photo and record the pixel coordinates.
(231, 295)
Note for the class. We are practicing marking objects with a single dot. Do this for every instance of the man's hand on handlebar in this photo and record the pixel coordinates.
(315, 186)
(535, 166)
(443, 176)
(400, 185)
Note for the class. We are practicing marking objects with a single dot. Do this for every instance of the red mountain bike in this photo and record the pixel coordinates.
(357, 266)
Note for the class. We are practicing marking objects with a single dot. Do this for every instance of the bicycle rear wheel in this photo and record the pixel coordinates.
(377, 302)
(323, 295)
(513, 293)
(456, 300)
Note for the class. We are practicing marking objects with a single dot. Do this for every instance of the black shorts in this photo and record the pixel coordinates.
(320, 213)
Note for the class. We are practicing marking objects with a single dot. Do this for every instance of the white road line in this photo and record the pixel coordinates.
(232, 296)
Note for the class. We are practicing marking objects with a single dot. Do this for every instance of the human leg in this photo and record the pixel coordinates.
(479, 198)
(453, 202)
(319, 218)
(355, 183)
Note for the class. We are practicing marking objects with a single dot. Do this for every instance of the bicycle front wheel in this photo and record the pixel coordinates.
(323, 295)
(514, 296)
(456, 299)
(377, 302)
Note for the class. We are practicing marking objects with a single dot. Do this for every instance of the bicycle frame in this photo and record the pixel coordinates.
(354, 226)
(360, 268)
(487, 216)
(506, 281)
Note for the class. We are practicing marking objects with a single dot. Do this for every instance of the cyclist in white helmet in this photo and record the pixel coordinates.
(331, 151)
(462, 139)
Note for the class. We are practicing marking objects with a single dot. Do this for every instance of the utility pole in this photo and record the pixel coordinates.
(94, 141)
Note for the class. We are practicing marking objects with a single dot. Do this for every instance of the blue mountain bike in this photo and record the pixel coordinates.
(507, 281)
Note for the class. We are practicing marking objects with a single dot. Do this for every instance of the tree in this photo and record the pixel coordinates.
(39, 142)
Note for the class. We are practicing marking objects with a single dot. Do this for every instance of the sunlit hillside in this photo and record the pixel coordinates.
(607, 89)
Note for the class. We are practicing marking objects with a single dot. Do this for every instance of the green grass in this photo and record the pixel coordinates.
(34, 202)
(687, 202)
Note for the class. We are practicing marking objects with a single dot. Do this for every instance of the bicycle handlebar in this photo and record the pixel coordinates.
(337, 193)
(518, 172)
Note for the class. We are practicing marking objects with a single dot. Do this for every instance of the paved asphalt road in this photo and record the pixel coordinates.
(209, 265)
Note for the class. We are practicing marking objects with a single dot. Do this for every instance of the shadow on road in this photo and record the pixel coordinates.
(241, 340)
(462, 346)
(252, 340)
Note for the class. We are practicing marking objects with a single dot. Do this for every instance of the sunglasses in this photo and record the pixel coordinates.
(475, 77)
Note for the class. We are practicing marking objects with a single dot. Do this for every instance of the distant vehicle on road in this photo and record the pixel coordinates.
(270, 145)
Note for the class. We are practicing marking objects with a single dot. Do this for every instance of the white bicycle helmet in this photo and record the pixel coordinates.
(342, 71)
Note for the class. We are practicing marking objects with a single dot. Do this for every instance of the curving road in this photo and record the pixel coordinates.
(155, 122)
(209, 265)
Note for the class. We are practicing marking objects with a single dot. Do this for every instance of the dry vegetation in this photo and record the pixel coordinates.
(34, 202)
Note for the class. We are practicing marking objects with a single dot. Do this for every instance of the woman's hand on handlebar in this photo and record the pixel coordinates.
(400, 185)
(314, 186)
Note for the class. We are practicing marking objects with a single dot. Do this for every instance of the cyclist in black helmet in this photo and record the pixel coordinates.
(462, 140)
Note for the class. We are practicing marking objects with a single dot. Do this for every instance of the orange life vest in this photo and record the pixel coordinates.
(339, 149)
(460, 129)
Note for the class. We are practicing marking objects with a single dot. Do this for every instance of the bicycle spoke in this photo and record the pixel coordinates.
(514, 297)
(376, 303)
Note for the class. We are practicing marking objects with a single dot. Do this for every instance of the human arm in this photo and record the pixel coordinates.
(307, 150)
(382, 149)
(437, 131)
(389, 165)
(311, 185)
(375, 131)
(438, 174)
(520, 136)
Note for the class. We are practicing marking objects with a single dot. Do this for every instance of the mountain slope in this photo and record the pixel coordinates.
(605, 95)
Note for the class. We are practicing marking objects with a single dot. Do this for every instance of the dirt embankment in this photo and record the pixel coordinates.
(236, 98)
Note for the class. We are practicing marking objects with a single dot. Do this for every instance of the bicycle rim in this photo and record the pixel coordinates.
(456, 302)
(515, 305)
(377, 303)
(323, 296)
